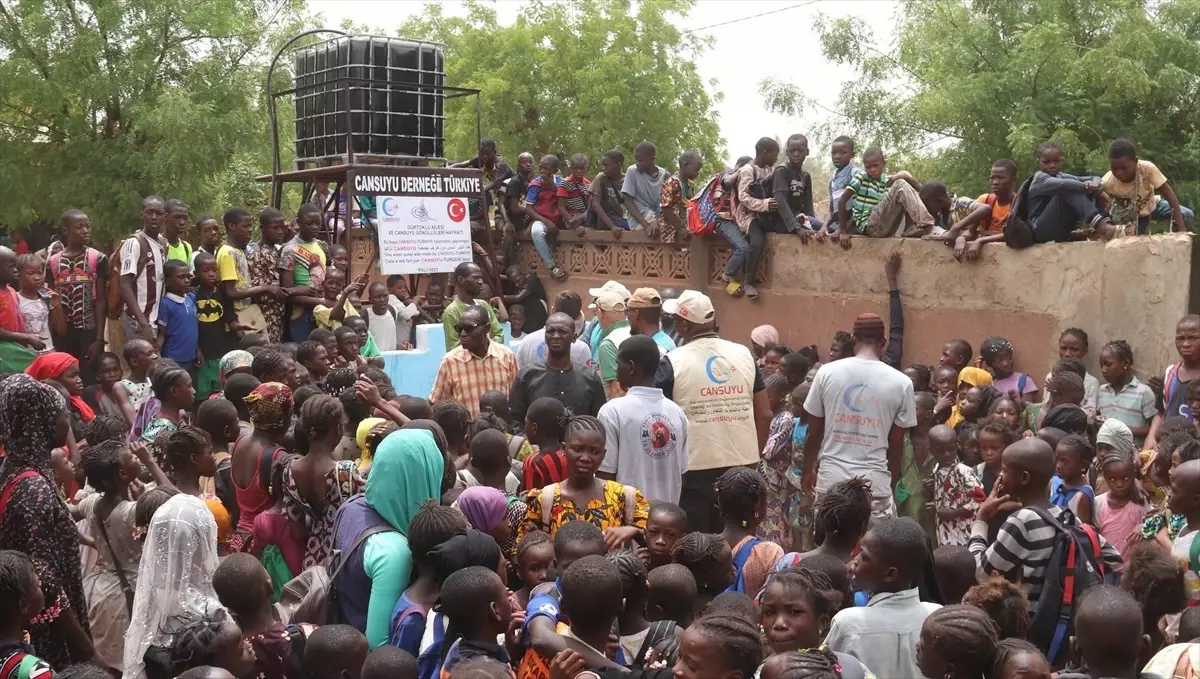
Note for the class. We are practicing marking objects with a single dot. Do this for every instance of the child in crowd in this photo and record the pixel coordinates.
(777, 461)
(335, 652)
(112, 467)
(956, 490)
(314, 358)
(367, 348)
(110, 395)
(1073, 343)
(543, 428)
(338, 301)
(997, 355)
(534, 565)
(1004, 602)
(956, 354)
(1133, 185)
(489, 465)
(79, 274)
(1028, 467)
(1003, 181)
(954, 569)
(476, 602)
(797, 606)
(41, 308)
(1109, 637)
(841, 152)
(434, 302)
(174, 391)
(383, 320)
(431, 526)
(1069, 489)
(1120, 510)
(347, 348)
(1156, 579)
(245, 589)
(21, 602)
(1184, 501)
(339, 258)
(632, 626)
(218, 417)
(389, 662)
(210, 237)
(1180, 375)
(665, 524)
(178, 329)
(572, 193)
(327, 339)
(840, 517)
(917, 466)
(742, 500)
(992, 437)
(1058, 202)
(516, 321)
(1008, 410)
(189, 453)
(710, 560)
(1018, 659)
(956, 642)
(890, 560)
(273, 539)
(216, 327)
(921, 376)
(671, 589)
(302, 264)
(1122, 396)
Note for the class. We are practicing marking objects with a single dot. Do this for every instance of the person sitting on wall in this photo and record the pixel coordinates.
(495, 171)
(966, 239)
(880, 202)
(676, 191)
(607, 211)
(541, 207)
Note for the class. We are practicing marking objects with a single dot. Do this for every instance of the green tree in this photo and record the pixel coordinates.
(102, 103)
(971, 82)
(583, 76)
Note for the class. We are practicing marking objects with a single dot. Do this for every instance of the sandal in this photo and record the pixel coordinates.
(558, 274)
(751, 292)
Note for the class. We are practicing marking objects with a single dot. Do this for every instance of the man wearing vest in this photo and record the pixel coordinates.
(141, 273)
(858, 411)
(614, 329)
(720, 389)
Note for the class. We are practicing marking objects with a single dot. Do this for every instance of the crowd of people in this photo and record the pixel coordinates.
(760, 195)
(240, 491)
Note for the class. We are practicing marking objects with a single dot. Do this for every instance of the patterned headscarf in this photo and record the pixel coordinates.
(270, 406)
(235, 360)
(29, 411)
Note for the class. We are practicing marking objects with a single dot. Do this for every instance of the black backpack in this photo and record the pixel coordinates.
(1018, 232)
(1075, 566)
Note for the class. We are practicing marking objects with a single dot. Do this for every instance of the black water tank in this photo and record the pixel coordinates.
(396, 99)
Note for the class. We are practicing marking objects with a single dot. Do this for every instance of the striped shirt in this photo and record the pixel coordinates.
(545, 468)
(1023, 547)
(1134, 405)
(463, 377)
(867, 193)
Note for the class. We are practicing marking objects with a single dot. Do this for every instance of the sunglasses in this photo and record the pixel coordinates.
(464, 328)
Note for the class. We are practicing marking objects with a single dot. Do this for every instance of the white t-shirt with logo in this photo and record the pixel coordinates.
(861, 400)
(646, 438)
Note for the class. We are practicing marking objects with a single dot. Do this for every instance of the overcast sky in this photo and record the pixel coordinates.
(781, 45)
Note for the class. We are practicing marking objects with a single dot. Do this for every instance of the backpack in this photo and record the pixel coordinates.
(1075, 566)
(93, 264)
(145, 253)
(1018, 232)
(739, 565)
(312, 595)
(703, 207)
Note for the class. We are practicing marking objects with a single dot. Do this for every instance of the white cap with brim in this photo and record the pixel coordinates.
(692, 306)
(611, 286)
(611, 300)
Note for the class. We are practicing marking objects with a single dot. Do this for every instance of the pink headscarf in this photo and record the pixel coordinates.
(765, 336)
(484, 506)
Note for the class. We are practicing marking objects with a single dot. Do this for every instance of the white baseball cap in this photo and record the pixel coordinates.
(692, 306)
(611, 286)
(611, 300)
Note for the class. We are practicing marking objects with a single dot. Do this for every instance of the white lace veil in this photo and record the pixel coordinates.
(175, 576)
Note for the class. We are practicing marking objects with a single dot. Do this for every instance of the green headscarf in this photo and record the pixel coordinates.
(406, 472)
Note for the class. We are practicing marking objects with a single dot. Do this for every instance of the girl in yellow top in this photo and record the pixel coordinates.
(620, 511)
(968, 377)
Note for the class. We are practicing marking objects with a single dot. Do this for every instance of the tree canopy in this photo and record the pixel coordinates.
(971, 82)
(583, 76)
(102, 103)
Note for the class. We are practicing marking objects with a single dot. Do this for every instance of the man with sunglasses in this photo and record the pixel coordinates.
(477, 365)
(468, 285)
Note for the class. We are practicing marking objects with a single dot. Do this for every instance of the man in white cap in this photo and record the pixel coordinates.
(591, 330)
(614, 329)
(720, 388)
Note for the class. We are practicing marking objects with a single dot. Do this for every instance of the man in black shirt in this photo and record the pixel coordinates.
(578, 390)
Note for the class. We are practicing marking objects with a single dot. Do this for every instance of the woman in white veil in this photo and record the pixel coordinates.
(175, 576)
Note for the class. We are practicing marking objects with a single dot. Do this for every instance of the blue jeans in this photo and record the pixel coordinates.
(1162, 213)
(741, 245)
(540, 234)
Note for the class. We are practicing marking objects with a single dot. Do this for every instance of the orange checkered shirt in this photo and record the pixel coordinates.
(464, 377)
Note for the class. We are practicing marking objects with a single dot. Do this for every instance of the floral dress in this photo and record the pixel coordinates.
(956, 487)
(609, 511)
(341, 483)
(775, 464)
(263, 262)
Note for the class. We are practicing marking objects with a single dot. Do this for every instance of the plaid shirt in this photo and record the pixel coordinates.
(464, 377)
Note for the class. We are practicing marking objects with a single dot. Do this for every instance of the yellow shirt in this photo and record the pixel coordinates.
(1138, 193)
(321, 315)
(232, 266)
